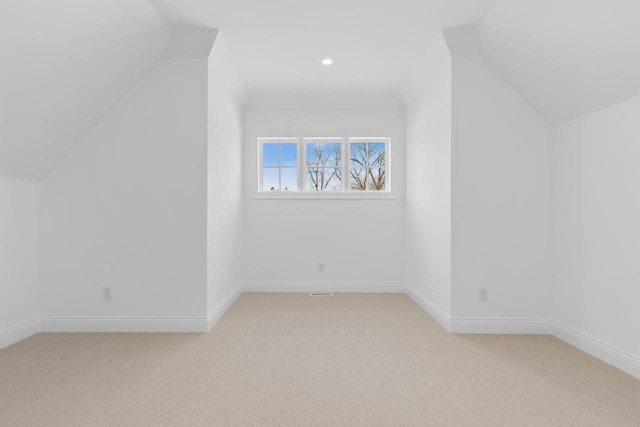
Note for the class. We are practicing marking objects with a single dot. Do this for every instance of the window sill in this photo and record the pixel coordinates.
(315, 196)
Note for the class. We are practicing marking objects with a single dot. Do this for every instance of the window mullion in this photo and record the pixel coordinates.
(302, 170)
(387, 177)
(260, 166)
(346, 152)
(301, 165)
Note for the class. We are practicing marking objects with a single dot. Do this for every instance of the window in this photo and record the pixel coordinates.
(314, 165)
(280, 166)
(367, 166)
(323, 165)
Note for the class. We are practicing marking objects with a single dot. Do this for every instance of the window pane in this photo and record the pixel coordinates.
(323, 170)
(288, 155)
(324, 153)
(358, 179)
(314, 178)
(314, 154)
(324, 179)
(334, 154)
(376, 155)
(270, 179)
(334, 179)
(270, 154)
(376, 180)
(359, 155)
(289, 178)
(367, 166)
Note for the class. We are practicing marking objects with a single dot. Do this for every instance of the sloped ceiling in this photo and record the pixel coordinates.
(278, 44)
(63, 63)
(567, 58)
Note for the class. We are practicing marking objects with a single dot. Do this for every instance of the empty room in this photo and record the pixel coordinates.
(319, 213)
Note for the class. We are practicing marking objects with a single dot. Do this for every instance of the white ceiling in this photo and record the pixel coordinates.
(566, 57)
(278, 44)
(63, 63)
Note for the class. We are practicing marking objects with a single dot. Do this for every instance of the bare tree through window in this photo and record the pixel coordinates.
(367, 166)
(329, 164)
(324, 166)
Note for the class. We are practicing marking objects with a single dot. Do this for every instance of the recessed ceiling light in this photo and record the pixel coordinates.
(327, 61)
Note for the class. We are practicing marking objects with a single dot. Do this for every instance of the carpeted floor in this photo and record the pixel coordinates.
(295, 360)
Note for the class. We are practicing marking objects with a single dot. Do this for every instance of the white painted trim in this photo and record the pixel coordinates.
(301, 142)
(19, 332)
(507, 325)
(193, 324)
(427, 305)
(217, 313)
(123, 324)
(599, 349)
(336, 287)
(300, 195)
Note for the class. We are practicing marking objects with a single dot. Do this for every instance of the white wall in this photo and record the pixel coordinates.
(127, 207)
(596, 227)
(428, 170)
(501, 203)
(19, 258)
(224, 176)
(359, 240)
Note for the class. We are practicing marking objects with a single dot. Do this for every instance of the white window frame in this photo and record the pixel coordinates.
(345, 189)
(303, 174)
(261, 142)
(387, 167)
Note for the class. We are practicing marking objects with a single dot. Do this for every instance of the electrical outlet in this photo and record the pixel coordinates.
(483, 294)
(106, 293)
(321, 266)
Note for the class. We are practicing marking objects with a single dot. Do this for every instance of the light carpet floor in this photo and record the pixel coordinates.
(295, 360)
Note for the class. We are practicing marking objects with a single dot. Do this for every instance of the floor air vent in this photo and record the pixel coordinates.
(320, 294)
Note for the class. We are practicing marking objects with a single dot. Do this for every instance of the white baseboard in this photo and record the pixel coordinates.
(19, 332)
(346, 287)
(139, 323)
(599, 349)
(461, 325)
(224, 305)
(122, 324)
(427, 305)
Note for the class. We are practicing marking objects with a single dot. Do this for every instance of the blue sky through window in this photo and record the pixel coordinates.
(271, 155)
(367, 166)
(288, 154)
(280, 171)
(364, 169)
(325, 153)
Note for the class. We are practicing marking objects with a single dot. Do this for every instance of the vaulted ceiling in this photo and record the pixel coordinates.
(64, 63)
(567, 58)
